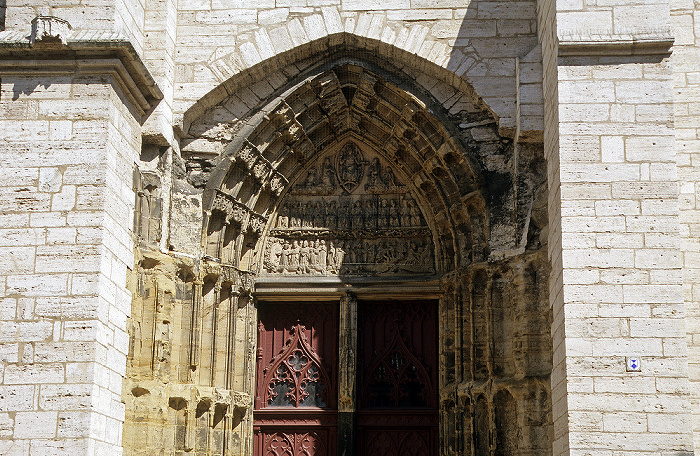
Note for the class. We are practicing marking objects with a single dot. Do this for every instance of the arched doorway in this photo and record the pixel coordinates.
(337, 173)
(348, 221)
(352, 186)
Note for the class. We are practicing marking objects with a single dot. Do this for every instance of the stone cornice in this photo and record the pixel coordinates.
(657, 43)
(84, 52)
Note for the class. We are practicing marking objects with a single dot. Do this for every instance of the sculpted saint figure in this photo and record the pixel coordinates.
(294, 257)
(283, 218)
(322, 259)
(343, 216)
(328, 174)
(331, 213)
(349, 167)
(339, 255)
(370, 215)
(307, 219)
(412, 255)
(389, 178)
(357, 215)
(313, 254)
(374, 177)
(394, 214)
(304, 257)
(318, 215)
(330, 259)
(405, 213)
(310, 180)
(383, 214)
(295, 221)
(284, 257)
(425, 257)
(415, 214)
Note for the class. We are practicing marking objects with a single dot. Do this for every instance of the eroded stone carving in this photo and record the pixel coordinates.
(346, 170)
(349, 216)
(238, 213)
(348, 256)
(147, 213)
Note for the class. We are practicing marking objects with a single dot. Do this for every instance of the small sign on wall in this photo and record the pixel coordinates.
(634, 363)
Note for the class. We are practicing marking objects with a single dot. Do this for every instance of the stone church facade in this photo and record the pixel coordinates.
(315, 227)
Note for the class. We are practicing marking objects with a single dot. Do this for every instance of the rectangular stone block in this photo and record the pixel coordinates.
(362, 5)
(35, 425)
(34, 374)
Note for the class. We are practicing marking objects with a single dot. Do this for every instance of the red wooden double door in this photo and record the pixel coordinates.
(297, 375)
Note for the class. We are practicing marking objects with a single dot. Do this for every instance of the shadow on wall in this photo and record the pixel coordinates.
(493, 40)
(497, 53)
(491, 36)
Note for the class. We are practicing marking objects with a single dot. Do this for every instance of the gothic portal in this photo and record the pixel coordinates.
(373, 281)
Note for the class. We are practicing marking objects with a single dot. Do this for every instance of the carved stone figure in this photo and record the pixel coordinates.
(307, 217)
(357, 215)
(343, 218)
(294, 256)
(389, 179)
(350, 167)
(339, 255)
(330, 257)
(415, 214)
(331, 215)
(365, 222)
(322, 258)
(394, 214)
(295, 221)
(405, 212)
(283, 218)
(328, 174)
(304, 254)
(370, 215)
(284, 257)
(374, 175)
(383, 214)
(318, 217)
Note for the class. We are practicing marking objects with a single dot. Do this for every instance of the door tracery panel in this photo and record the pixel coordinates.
(296, 400)
(397, 378)
(296, 375)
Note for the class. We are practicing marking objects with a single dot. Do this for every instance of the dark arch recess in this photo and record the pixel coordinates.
(323, 107)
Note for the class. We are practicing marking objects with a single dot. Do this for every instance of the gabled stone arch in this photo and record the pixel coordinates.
(447, 80)
(336, 105)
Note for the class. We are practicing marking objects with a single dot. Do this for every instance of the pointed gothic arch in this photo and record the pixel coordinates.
(338, 105)
(449, 68)
(437, 207)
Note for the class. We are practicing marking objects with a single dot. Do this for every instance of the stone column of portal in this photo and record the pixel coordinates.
(347, 397)
(615, 285)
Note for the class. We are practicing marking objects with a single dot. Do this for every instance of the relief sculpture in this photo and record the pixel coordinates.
(349, 215)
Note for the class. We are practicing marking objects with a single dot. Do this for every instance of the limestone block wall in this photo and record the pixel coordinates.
(126, 17)
(621, 282)
(686, 52)
(478, 41)
(159, 53)
(616, 282)
(67, 148)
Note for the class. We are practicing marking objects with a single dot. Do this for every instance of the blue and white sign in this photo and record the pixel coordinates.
(634, 363)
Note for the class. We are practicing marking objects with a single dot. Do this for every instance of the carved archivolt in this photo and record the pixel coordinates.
(349, 214)
(238, 213)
